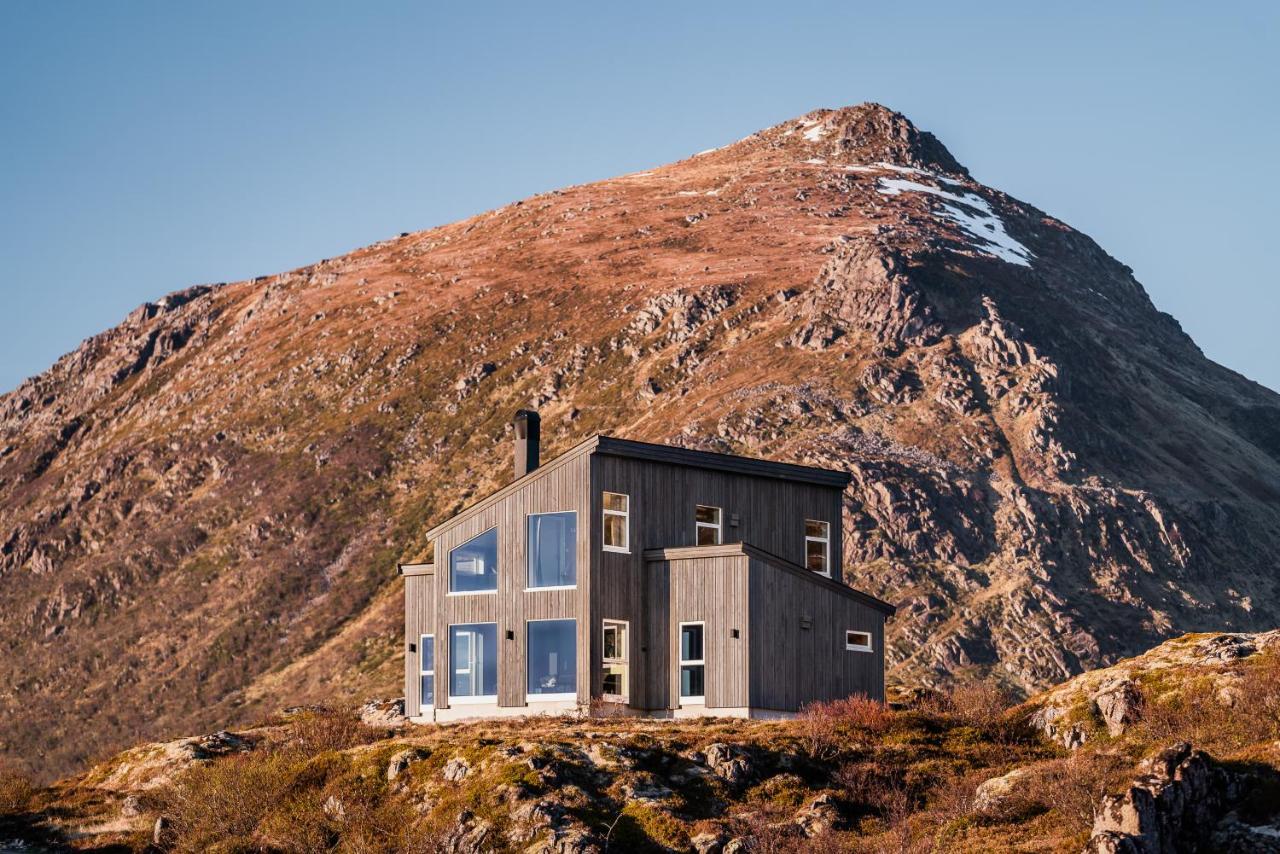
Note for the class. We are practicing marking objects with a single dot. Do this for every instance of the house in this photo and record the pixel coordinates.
(668, 582)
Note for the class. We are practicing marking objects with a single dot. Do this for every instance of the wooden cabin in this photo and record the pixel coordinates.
(659, 580)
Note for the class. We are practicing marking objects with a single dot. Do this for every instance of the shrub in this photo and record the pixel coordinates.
(16, 793)
(1258, 698)
(320, 730)
(1073, 786)
(225, 799)
(822, 723)
(980, 703)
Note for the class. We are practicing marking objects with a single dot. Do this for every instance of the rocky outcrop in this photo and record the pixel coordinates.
(1171, 808)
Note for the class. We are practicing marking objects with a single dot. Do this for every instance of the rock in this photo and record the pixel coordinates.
(131, 807)
(160, 831)
(383, 713)
(708, 843)
(818, 816)
(1119, 704)
(730, 762)
(1175, 802)
(400, 762)
(334, 809)
(737, 845)
(999, 793)
(469, 835)
(456, 769)
(646, 788)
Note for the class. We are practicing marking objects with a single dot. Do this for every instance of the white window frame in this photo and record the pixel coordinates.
(550, 698)
(625, 660)
(718, 527)
(854, 646)
(479, 699)
(528, 549)
(448, 568)
(625, 548)
(683, 662)
(422, 671)
(826, 546)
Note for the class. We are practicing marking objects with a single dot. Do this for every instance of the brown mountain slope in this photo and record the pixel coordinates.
(200, 510)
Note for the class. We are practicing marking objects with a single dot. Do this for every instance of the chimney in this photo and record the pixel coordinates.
(526, 424)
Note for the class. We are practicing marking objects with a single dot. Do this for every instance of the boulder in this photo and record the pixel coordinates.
(400, 762)
(708, 843)
(383, 713)
(1119, 704)
(456, 769)
(730, 762)
(999, 793)
(818, 816)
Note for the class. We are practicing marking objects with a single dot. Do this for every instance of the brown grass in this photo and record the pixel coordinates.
(17, 792)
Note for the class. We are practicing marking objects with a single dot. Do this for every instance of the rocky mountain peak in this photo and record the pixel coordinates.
(872, 133)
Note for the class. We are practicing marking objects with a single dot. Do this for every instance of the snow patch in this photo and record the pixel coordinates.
(816, 161)
(816, 130)
(975, 218)
(688, 193)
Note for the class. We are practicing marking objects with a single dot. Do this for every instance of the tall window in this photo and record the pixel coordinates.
(473, 566)
(817, 546)
(427, 668)
(553, 549)
(707, 527)
(553, 659)
(692, 664)
(617, 522)
(473, 660)
(615, 660)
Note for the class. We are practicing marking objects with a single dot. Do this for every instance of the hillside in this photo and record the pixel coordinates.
(1193, 760)
(201, 509)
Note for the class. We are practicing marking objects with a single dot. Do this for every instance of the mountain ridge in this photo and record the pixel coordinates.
(201, 509)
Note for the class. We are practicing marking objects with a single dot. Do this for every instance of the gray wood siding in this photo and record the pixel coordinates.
(771, 515)
(791, 665)
(419, 605)
(712, 591)
(562, 485)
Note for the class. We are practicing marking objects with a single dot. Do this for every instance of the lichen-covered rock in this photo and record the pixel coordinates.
(820, 815)
(997, 794)
(383, 713)
(400, 762)
(730, 762)
(456, 769)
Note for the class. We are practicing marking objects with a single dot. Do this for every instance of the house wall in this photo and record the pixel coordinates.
(791, 665)
(771, 514)
(561, 485)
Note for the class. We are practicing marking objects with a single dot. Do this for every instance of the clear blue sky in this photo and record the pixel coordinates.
(147, 146)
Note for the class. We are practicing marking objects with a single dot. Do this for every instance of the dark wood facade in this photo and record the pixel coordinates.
(750, 591)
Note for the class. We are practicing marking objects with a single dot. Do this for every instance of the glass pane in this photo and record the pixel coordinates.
(691, 643)
(428, 647)
(553, 657)
(474, 564)
(473, 659)
(815, 555)
(553, 539)
(708, 536)
(691, 681)
(615, 642)
(815, 529)
(615, 680)
(615, 531)
(428, 690)
(614, 501)
(709, 515)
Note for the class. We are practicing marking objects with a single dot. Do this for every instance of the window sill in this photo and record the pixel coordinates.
(616, 550)
(551, 587)
(858, 649)
(472, 593)
(692, 701)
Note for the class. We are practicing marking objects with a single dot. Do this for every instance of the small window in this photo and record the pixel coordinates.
(473, 566)
(692, 664)
(614, 655)
(553, 660)
(553, 549)
(473, 659)
(817, 547)
(707, 526)
(857, 641)
(427, 668)
(617, 522)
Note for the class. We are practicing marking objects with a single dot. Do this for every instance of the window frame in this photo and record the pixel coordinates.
(625, 514)
(560, 696)
(497, 550)
(826, 547)
(475, 699)
(852, 646)
(718, 527)
(692, 699)
(423, 671)
(624, 660)
(528, 552)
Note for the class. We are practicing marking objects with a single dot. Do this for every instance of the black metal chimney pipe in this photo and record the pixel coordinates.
(527, 426)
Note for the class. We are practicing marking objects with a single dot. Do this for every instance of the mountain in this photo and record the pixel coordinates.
(201, 509)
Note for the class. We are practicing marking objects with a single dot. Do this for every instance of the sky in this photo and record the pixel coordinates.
(149, 146)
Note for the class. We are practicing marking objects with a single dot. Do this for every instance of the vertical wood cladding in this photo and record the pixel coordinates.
(562, 485)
